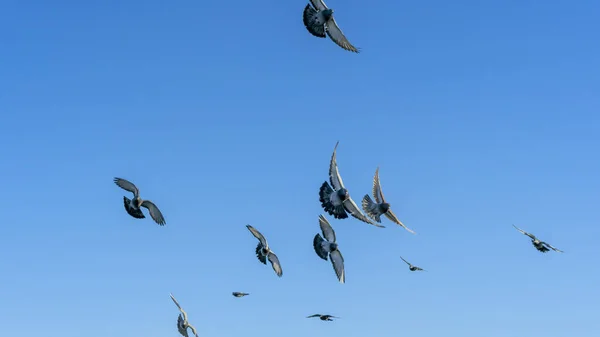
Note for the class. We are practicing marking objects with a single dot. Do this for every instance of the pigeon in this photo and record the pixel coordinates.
(410, 266)
(132, 206)
(323, 317)
(328, 247)
(263, 251)
(336, 201)
(537, 243)
(319, 21)
(182, 321)
(376, 209)
(238, 294)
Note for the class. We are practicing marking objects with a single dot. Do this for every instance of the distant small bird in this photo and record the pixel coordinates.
(319, 21)
(329, 247)
(410, 266)
(323, 317)
(263, 251)
(132, 206)
(238, 294)
(376, 209)
(537, 243)
(182, 321)
(336, 201)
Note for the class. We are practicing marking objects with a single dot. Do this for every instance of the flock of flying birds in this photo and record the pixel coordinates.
(335, 200)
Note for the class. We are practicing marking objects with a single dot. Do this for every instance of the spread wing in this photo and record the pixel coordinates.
(334, 173)
(405, 261)
(193, 329)
(335, 33)
(154, 212)
(275, 263)
(337, 260)
(390, 215)
(258, 235)
(127, 186)
(318, 4)
(326, 229)
(351, 207)
(178, 306)
(377, 194)
(553, 248)
(315, 315)
(525, 233)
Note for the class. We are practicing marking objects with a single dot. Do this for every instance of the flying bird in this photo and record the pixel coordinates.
(263, 252)
(376, 209)
(328, 247)
(132, 206)
(323, 317)
(182, 321)
(537, 243)
(411, 266)
(336, 201)
(238, 294)
(319, 21)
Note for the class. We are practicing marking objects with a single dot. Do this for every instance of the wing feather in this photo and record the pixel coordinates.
(154, 212)
(326, 229)
(337, 260)
(390, 215)
(334, 173)
(318, 4)
(127, 186)
(258, 235)
(336, 34)
(377, 194)
(352, 208)
(275, 263)
(525, 233)
(180, 308)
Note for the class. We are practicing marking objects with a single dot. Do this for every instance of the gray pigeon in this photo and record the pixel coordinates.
(182, 321)
(328, 247)
(319, 21)
(238, 294)
(410, 266)
(323, 317)
(336, 201)
(132, 206)
(263, 252)
(376, 209)
(537, 243)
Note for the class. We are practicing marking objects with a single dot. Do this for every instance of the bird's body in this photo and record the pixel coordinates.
(323, 317)
(411, 267)
(540, 245)
(319, 21)
(182, 321)
(328, 247)
(335, 198)
(239, 294)
(264, 252)
(380, 207)
(133, 206)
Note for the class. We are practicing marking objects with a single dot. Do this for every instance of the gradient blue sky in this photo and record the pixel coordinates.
(480, 114)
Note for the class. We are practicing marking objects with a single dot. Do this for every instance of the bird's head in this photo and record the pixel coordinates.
(327, 13)
(385, 207)
(343, 194)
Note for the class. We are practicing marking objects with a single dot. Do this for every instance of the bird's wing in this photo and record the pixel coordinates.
(275, 263)
(318, 4)
(154, 212)
(525, 233)
(180, 308)
(377, 194)
(193, 329)
(326, 229)
(127, 186)
(352, 208)
(334, 173)
(335, 33)
(390, 215)
(258, 235)
(337, 260)
(553, 248)
(405, 261)
(315, 315)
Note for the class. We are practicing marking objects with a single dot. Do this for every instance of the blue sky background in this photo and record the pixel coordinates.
(480, 114)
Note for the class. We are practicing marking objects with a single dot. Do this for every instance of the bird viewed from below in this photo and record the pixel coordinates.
(337, 201)
(537, 243)
(376, 209)
(238, 294)
(182, 321)
(411, 266)
(132, 206)
(264, 252)
(329, 247)
(323, 317)
(319, 21)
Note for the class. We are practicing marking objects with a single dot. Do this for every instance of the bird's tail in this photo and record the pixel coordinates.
(370, 208)
(136, 213)
(325, 192)
(318, 247)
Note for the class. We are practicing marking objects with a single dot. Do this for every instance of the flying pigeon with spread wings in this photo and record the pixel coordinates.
(132, 206)
(335, 198)
(264, 252)
(411, 266)
(319, 21)
(182, 321)
(323, 317)
(329, 247)
(537, 243)
(380, 206)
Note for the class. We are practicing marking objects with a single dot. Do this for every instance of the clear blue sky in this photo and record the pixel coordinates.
(480, 114)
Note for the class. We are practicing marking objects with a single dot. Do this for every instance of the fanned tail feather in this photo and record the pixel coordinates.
(309, 18)
(259, 255)
(318, 247)
(136, 213)
(370, 208)
(338, 211)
